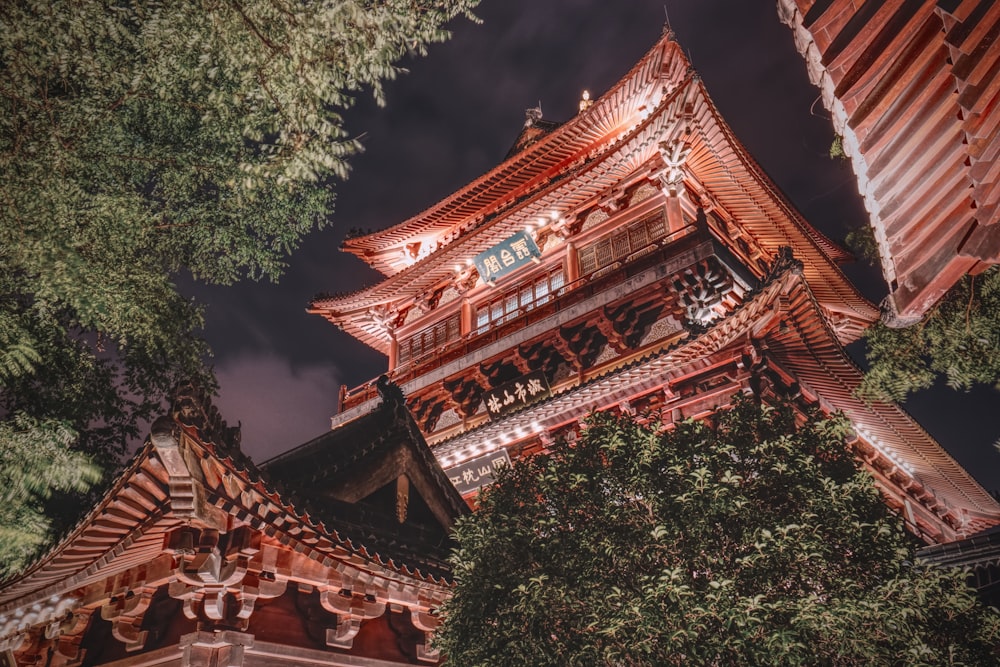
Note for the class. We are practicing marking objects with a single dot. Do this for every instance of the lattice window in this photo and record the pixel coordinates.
(623, 242)
(518, 300)
(426, 341)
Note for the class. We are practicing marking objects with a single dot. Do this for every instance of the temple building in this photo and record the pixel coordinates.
(332, 555)
(914, 92)
(634, 258)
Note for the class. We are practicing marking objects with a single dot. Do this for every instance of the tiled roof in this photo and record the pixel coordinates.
(573, 165)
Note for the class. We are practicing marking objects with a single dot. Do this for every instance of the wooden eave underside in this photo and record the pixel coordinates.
(915, 91)
(381, 439)
(717, 162)
(809, 348)
(615, 111)
(811, 352)
(128, 527)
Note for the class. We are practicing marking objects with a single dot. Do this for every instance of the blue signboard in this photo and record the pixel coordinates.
(506, 256)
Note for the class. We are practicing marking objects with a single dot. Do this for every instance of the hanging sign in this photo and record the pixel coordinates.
(506, 256)
(478, 472)
(516, 394)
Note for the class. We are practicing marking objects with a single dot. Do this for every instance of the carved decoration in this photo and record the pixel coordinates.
(701, 289)
(596, 217)
(71, 631)
(449, 294)
(402, 497)
(428, 301)
(498, 372)
(674, 154)
(386, 318)
(580, 345)
(29, 634)
(784, 260)
(466, 394)
(644, 191)
(426, 623)
(221, 578)
(427, 411)
(126, 613)
(351, 608)
(466, 280)
(191, 406)
(625, 325)
(541, 357)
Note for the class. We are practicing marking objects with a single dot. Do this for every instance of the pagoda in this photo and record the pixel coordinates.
(913, 91)
(634, 258)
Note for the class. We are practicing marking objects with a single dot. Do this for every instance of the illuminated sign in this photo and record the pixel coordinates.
(516, 394)
(478, 472)
(506, 256)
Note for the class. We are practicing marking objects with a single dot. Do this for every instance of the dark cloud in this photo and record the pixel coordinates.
(277, 405)
(455, 115)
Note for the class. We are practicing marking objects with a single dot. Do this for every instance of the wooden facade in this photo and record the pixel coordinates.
(194, 557)
(914, 91)
(671, 274)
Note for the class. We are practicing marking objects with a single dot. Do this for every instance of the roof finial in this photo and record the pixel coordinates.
(532, 116)
(585, 101)
(667, 30)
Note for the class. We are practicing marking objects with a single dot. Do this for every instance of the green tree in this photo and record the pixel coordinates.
(958, 339)
(139, 139)
(749, 540)
(35, 461)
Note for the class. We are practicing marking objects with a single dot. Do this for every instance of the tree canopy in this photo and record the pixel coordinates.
(749, 539)
(140, 139)
(958, 339)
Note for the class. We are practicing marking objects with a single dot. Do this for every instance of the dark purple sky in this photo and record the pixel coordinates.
(455, 115)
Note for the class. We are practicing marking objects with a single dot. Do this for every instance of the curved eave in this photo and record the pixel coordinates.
(738, 182)
(603, 122)
(717, 161)
(811, 351)
(128, 526)
(912, 88)
(809, 348)
(142, 490)
(582, 183)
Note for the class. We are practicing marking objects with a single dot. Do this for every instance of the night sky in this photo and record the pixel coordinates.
(455, 115)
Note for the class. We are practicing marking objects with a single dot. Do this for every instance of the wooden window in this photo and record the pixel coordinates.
(622, 242)
(510, 304)
(426, 341)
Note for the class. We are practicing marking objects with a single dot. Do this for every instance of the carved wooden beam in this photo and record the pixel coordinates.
(465, 393)
(580, 345)
(220, 580)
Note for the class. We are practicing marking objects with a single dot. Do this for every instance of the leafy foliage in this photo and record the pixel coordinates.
(748, 541)
(139, 139)
(837, 149)
(35, 461)
(861, 241)
(959, 339)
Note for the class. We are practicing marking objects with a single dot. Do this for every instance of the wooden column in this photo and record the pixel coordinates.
(572, 262)
(393, 351)
(465, 323)
(675, 216)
